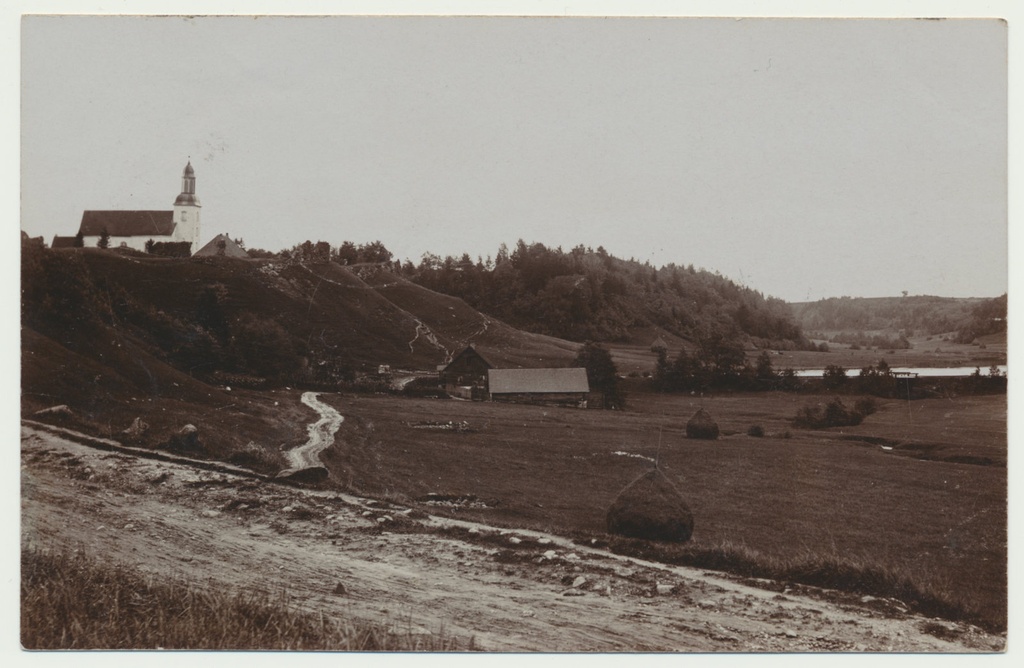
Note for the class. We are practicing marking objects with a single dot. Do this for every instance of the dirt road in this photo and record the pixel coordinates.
(505, 590)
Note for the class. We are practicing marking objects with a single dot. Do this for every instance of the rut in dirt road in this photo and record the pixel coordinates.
(321, 436)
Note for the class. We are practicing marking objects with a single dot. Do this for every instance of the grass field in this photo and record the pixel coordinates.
(861, 499)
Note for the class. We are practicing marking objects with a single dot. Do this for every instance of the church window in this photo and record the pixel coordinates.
(184, 216)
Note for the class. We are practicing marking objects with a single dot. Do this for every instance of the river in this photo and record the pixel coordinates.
(934, 372)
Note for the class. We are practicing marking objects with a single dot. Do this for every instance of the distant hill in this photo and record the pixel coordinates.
(967, 317)
(98, 322)
(584, 294)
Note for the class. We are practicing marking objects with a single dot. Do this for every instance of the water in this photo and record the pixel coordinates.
(934, 372)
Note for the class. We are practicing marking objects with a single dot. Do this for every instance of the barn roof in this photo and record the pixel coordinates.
(537, 381)
(127, 223)
(231, 249)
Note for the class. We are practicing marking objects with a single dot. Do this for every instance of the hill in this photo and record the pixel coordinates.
(124, 324)
(908, 316)
(585, 294)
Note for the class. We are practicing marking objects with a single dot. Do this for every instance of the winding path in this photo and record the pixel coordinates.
(321, 435)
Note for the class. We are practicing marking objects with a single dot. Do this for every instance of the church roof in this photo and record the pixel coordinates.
(188, 170)
(128, 223)
(231, 249)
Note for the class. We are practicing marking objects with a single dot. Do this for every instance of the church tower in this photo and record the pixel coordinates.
(186, 210)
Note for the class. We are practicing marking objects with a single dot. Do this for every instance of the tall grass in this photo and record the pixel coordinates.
(72, 601)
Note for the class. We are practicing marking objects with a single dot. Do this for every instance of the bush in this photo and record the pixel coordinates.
(833, 414)
(866, 406)
(757, 431)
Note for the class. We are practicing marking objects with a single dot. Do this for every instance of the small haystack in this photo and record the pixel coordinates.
(651, 508)
(701, 425)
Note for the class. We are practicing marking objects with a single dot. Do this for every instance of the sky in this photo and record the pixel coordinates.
(805, 158)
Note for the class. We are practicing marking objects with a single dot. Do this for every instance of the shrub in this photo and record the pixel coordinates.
(757, 431)
(866, 406)
(833, 414)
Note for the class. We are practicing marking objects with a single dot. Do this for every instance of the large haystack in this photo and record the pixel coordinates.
(651, 508)
(701, 425)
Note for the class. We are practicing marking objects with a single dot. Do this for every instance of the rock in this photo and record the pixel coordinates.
(186, 440)
(514, 540)
(651, 508)
(61, 411)
(339, 589)
(135, 431)
(663, 589)
(573, 592)
(544, 541)
(550, 554)
(211, 513)
(702, 426)
(579, 582)
(384, 518)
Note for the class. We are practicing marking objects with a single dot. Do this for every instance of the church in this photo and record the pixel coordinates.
(134, 229)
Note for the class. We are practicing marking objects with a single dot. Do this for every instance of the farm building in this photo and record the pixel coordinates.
(548, 386)
(466, 375)
(223, 246)
(659, 345)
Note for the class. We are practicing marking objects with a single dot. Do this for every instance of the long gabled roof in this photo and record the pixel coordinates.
(537, 381)
(128, 223)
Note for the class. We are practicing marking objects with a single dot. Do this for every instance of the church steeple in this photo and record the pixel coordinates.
(188, 188)
(186, 210)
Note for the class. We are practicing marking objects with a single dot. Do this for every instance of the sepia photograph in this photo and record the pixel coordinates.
(536, 333)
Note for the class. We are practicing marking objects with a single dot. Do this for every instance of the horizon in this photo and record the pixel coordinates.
(871, 153)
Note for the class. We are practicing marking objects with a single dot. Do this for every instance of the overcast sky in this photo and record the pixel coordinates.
(804, 158)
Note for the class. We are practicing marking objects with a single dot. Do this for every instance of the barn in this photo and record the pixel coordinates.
(466, 375)
(541, 386)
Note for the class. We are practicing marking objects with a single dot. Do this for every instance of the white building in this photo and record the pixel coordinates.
(134, 229)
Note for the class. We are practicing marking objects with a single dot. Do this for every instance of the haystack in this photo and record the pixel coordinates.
(701, 425)
(651, 508)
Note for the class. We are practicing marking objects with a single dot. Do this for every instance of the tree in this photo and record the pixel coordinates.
(834, 376)
(104, 240)
(79, 240)
(764, 369)
(221, 246)
(602, 375)
(347, 253)
(149, 246)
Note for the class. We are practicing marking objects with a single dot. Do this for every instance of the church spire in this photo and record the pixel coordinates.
(188, 187)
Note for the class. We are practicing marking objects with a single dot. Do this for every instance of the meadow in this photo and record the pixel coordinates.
(910, 504)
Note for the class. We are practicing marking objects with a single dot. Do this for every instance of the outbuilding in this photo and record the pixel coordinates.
(545, 386)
